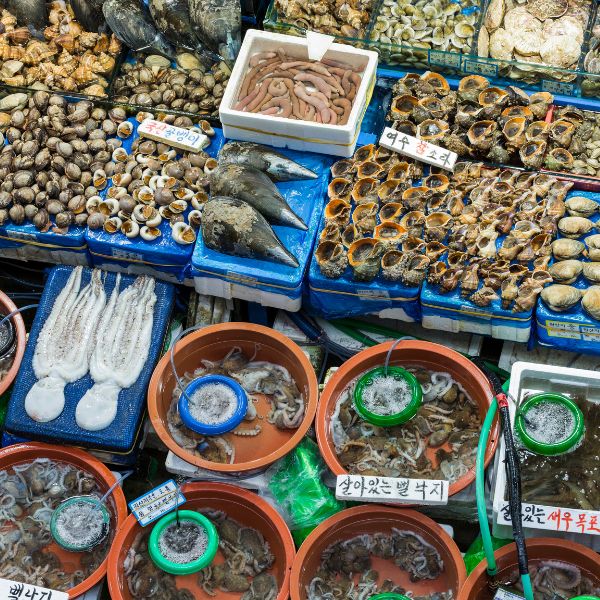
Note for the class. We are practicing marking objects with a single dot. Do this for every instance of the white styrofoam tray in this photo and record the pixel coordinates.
(339, 140)
(532, 377)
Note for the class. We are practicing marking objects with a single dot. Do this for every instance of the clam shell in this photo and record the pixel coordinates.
(566, 271)
(591, 301)
(580, 206)
(560, 297)
(573, 227)
(591, 271)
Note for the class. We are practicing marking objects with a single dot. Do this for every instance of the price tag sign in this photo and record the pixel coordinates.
(392, 490)
(417, 149)
(558, 87)
(156, 503)
(502, 594)
(367, 294)
(14, 590)
(480, 68)
(444, 59)
(554, 518)
(192, 140)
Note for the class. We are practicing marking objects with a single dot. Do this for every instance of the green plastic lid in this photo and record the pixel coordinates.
(88, 528)
(394, 419)
(389, 596)
(176, 568)
(549, 449)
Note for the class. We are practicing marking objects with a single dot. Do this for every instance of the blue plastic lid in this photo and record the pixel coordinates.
(213, 428)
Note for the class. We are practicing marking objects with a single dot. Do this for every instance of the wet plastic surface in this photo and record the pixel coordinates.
(121, 434)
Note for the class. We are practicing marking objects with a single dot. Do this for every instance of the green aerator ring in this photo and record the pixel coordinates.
(183, 568)
(388, 420)
(74, 500)
(389, 596)
(559, 447)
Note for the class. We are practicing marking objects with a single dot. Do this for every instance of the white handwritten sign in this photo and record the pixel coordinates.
(192, 140)
(502, 594)
(391, 489)
(558, 87)
(14, 590)
(417, 149)
(554, 518)
(156, 503)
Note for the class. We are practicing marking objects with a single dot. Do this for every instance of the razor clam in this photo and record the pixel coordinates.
(172, 17)
(219, 25)
(232, 226)
(255, 188)
(131, 22)
(277, 166)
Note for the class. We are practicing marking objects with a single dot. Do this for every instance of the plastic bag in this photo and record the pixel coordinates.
(294, 484)
(475, 554)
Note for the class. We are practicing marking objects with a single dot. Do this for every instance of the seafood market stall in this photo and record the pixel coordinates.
(169, 177)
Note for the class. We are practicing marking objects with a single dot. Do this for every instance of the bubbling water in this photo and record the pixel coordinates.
(387, 395)
(213, 403)
(549, 422)
(183, 543)
(81, 525)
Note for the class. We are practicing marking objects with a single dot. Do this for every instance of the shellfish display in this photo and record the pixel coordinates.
(440, 442)
(370, 216)
(540, 32)
(242, 568)
(62, 56)
(30, 493)
(273, 396)
(346, 569)
(576, 259)
(151, 82)
(289, 87)
(501, 126)
(348, 19)
(56, 161)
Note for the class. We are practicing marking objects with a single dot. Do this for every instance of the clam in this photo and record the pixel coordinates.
(331, 258)
(574, 227)
(560, 298)
(183, 233)
(364, 257)
(580, 206)
(566, 271)
(149, 233)
(593, 246)
(591, 301)
(591, 271)
(565, 248)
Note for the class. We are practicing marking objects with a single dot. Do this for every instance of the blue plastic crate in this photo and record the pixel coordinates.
(121, 434)
(270, 283)
(161, 256)
(573, 330)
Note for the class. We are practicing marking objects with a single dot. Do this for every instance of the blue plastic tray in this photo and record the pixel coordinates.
(121, 434)
(305, 197)
(163, 254)
(574, 329)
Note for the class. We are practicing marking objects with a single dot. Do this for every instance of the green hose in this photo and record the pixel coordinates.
(486, 537)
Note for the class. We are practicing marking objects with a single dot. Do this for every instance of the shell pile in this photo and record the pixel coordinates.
(542, 32)
(498, 243)
(151, 184)
(591, 64)
(585, 143)
(373, 219)
(499, 125)
(294, 88)
(54, 154)
(67, 58)
(190, 88)
(334, 17)
(576, 266)
(439, 24)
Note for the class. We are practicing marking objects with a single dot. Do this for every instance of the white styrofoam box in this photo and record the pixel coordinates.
(338, 140)
(533, 377)
(513, 352)
(502, 332)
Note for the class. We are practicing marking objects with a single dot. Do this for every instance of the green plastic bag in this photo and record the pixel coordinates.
(475, 554)
(300, 494)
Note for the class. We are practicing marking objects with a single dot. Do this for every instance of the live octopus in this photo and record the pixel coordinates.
(440, 442)
(256, 377)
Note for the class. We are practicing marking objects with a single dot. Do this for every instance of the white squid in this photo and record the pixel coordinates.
(64, 345)
(121, 351)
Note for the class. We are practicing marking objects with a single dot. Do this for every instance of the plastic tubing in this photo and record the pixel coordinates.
(14, 312)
